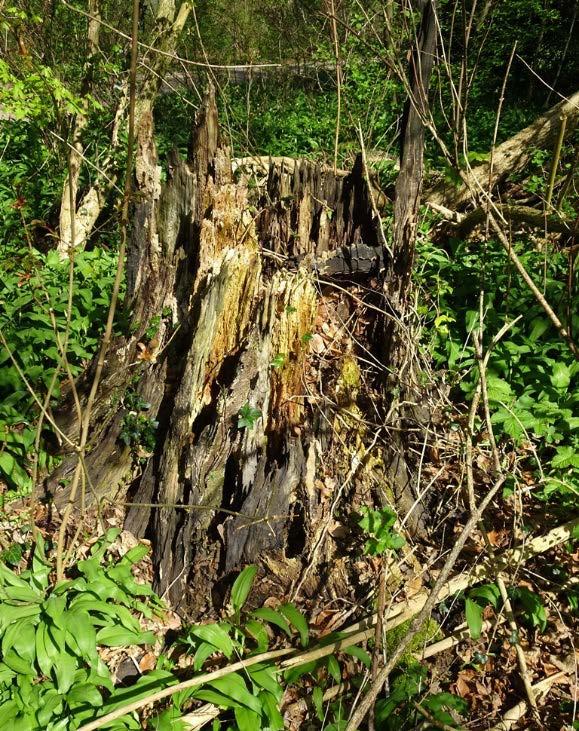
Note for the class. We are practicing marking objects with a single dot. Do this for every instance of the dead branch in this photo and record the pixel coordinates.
(511, 156)
(516, 215)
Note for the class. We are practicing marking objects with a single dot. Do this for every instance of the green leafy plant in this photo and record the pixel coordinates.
(401, 709)
(33, 306)
(378, 525)
(247, 416)
(530, 606)
(138, 429)
(477, 599)
(532, 375)
(253, 696)
(51, 675)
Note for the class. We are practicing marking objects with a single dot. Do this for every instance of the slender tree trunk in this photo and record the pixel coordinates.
(398, 349)
(87, 207)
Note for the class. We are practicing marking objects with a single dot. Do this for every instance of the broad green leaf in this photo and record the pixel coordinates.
(218, 699)
(565, 456)
(136, 554)
(13, 635)
(10, 613)
(233, 686)
(242, 587)
(119, 637)
(273, 617)
(334, 669)
(266, 677)
(498, 389)
(473, 614)
(85, 694)
(54, 607)
(259, 634)
(247, 720)
(10, 578)
(204, 651)
(271, 708)
(215, 635)
(561, 377)
(81, 630)
(294, 674)
(95, 607)
(18, 664)
(318, 701)
(52, 704)
(46, 651)
(488, 592)
(297, 619)
(24, 643)
(6, 674)
(539, 326)
(64, 669)
(24, 594)
(360, 654)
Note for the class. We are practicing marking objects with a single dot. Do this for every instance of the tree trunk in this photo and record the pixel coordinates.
(398, 346)
(82, 217)
(232, 327)
(510, 157)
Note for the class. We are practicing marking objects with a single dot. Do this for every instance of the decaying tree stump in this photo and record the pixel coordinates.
(227, 310)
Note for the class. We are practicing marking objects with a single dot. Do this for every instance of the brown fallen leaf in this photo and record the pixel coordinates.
(148, 662)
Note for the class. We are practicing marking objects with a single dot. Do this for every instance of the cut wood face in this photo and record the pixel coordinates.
(244, 375)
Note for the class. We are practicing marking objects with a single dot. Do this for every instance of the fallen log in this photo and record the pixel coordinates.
(508, 158)
(515, 214)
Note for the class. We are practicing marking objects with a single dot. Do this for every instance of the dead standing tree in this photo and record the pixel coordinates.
(217, 292)
(397, 348)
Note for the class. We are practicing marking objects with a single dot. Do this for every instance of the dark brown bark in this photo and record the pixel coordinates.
(397, 347)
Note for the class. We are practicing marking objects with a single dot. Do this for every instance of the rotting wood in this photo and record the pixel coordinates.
(223, 313)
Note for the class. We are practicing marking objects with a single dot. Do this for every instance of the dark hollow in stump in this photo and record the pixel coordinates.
(224, 298)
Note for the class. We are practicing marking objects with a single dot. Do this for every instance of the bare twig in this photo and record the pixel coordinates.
(85, 427)
(370, 697)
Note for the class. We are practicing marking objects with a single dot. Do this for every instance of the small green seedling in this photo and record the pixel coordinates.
(378, 524)
(279, 361)
(247, 416)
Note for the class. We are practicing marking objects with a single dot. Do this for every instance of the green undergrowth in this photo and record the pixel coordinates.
(33, 320)
(53, 636)
(532, 374)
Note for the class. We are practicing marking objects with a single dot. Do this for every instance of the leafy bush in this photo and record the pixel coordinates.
(33, 289)
(51, 675)
(532, 375)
